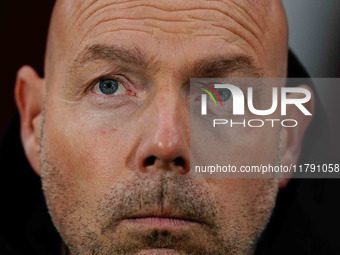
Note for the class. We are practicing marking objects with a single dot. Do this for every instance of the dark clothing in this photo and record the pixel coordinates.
(305, 220)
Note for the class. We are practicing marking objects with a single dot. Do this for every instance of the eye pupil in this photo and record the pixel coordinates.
(108, 87)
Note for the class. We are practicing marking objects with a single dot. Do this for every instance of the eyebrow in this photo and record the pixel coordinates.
(110, 54)
(218, 66)
(203, 68)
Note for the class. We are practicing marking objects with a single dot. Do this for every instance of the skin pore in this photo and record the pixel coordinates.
(115, 168)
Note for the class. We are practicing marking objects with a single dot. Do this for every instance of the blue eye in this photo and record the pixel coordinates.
(224, 94)
(108, 86)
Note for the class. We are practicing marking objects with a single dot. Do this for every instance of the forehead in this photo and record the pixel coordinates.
(85, 12)
(80, 10)
(159, 25)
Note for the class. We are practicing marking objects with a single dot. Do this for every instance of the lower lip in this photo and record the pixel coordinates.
(160, 222)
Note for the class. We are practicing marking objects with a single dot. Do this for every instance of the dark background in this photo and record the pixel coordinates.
(23, 29)
(314, 36)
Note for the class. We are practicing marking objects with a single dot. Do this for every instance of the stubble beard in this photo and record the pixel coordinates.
(93, 227)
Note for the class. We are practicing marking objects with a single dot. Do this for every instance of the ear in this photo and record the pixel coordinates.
(292, 137)
(29, 91)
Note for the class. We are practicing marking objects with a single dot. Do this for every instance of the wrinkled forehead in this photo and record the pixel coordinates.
(75, 23)
(77, 7)
(85, 18)
(82, 13)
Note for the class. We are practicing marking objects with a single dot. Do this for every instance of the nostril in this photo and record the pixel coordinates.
(179, 161)
(150, 161)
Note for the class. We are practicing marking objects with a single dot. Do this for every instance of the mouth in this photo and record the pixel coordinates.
(161, 220)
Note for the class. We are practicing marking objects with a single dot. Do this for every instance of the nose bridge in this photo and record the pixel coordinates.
(165, 144)
(168, 133)
(168, 126)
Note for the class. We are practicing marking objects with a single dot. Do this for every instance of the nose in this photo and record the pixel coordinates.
(165, 145)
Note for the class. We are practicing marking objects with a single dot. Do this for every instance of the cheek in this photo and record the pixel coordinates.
(256, 146)
(88, 151)
(240, 190)
(246, 147)
(234, 144)
(245, 204)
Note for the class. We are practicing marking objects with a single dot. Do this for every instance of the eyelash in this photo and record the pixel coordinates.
(112, 77)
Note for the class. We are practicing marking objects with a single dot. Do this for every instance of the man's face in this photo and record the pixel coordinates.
(116, 133)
